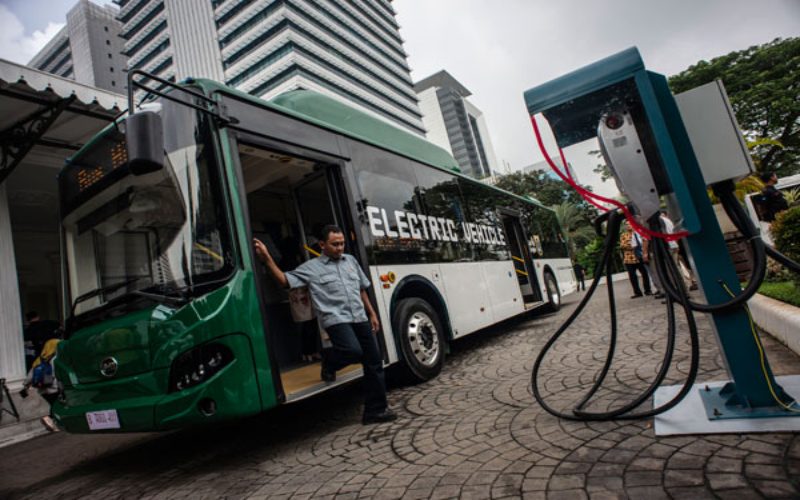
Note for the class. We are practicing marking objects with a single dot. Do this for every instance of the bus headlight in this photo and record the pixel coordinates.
(198, 365)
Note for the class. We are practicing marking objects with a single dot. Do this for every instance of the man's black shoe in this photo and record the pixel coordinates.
(327, 374)
(659, 295)
(636, 296)
(386, 415)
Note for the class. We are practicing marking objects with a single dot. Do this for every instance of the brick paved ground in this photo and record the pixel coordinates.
(474, 432)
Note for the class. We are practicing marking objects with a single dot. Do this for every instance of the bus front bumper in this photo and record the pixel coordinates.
(140, 403)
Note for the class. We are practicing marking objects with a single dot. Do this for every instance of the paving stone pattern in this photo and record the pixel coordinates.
(474, 432)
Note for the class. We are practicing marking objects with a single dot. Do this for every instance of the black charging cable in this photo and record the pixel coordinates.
(604, 264)
(756, 276)
(672, 284)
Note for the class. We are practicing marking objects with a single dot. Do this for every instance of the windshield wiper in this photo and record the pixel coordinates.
(159, 293)
(98, 291)
(177, 296)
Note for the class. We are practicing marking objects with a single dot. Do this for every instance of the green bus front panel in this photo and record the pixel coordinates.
(233, 391)
(146, 343)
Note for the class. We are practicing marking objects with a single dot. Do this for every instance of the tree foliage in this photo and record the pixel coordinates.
(574, 214)
(764, 89)
(547, 190)
(601, 168)
(573, 221)
(786, 233)
(590, 254)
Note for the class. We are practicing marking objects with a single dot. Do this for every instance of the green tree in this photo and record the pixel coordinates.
(589, 254)
(573, 221)
(573, 213)
(601, 168)
(786, 232)
(764, 89)
(547, 190)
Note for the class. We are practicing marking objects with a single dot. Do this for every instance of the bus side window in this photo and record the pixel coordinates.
(388, 193)
(441, 199)
(530, 225)
(482, 204)
(542, 228)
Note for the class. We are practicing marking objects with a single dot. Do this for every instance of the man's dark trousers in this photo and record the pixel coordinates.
(353, 343)
(632, 268)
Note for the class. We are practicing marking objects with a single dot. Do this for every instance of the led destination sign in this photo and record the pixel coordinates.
(410, 225)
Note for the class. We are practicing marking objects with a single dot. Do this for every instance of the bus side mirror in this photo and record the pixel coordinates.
(144, 134)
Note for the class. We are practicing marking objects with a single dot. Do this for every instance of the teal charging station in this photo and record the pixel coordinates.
(575, 106)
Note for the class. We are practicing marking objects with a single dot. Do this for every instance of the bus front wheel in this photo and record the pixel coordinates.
(421, 338)
(553, 293)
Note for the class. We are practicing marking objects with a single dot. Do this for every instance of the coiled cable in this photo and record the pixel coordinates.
(623, 413)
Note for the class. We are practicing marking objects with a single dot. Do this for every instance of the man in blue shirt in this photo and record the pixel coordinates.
(338, 288)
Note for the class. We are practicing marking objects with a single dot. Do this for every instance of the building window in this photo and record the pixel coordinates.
(112, 69)
(109, 55)
(113, 83)
(105, 28)
(108, 42)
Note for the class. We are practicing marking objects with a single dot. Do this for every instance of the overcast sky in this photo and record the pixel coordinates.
(500, 48)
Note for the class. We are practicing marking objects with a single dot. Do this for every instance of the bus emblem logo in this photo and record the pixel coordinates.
(108, 367)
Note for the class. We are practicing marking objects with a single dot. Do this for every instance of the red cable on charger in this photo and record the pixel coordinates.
(589, 195)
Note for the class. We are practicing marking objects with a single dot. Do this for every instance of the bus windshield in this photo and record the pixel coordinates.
(161, 234)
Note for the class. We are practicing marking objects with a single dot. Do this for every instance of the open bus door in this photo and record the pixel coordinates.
(290, 199)
(521, 256)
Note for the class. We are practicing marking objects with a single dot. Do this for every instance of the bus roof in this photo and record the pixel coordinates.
(335, 115)
(331, 114)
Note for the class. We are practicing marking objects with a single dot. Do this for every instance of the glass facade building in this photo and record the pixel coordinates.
(88, 49)
(348, 49)
(455, 124)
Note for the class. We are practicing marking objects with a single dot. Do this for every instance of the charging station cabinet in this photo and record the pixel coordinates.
(714, 133)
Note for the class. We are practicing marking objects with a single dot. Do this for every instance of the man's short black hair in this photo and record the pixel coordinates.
(766, 176)
(327, 230)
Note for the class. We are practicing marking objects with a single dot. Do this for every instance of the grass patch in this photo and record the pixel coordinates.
(785, 291)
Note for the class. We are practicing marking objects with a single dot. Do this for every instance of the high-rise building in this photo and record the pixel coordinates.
(582, 171)
(456, 124)
(544, 167)
(88, 49)
(348, 49)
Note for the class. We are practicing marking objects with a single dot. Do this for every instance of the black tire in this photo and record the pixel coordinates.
(553, 293)
(419, 333)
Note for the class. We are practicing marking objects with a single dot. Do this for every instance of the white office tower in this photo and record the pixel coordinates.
(456, 124)
(544, 167)
(88, 49)
(348, 49)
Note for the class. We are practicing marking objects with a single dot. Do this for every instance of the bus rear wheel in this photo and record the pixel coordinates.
(553, 293)
(421, 338)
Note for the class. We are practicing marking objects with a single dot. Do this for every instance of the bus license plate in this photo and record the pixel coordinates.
(104, 419)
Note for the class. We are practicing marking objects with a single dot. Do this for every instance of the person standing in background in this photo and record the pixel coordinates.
(580, 275)
(632, 259)
(772, 201)
(35, 334)
(675, 251)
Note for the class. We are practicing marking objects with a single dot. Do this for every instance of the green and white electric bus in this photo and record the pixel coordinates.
(171, 319)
